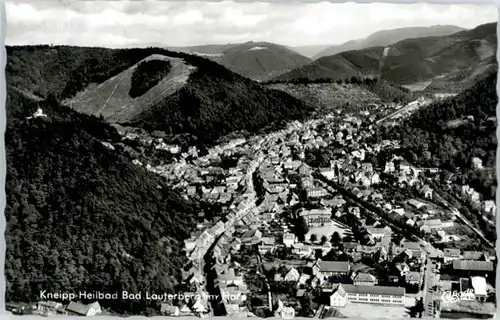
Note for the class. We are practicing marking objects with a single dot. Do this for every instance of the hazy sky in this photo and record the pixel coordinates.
(131, 23)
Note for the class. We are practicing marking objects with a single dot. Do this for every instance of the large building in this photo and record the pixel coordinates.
(331, 268)
(317, 217)
(375, 294)
(316, 192)
(469, 268)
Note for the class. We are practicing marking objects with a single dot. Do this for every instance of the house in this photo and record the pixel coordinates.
(50, 305)
(225, 197)
(410, 220)
(251, 236)
(416, 204)
(358, 154)
(185, 310)
(231, 300)
(304, 170)
(328, 173)
(302, 249)
(200, 306)
(375, 294)
(399, 211)
(349, 247)
(355, 211)
(218, 228)
(230, 278)
(169, 310)
(365, 279)
(375, 197)
(375, 178)
(450, 254)
(287, 313)
(267, 245)
(426, 191)
(378, 233)
(489, 207)
(389, 167)
(477, 163)
(300, 293)
(307, 182)
(405, 167)
(288, 239)
(292, 275)
(367, 167)
(380, 252)
(470, 193)
(48, 308)
(304, 278)
(480, 288)
(191, 190)
(412, 277)
(81, 309)
(338, 297)
(331, 268)
(412, 247)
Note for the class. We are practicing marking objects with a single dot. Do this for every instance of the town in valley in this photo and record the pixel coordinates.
(251, 179)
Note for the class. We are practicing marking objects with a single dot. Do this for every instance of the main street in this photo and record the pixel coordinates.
(428, 293)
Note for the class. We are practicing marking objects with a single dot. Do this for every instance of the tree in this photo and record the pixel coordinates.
(336, 239)
(324, 239)
(306, 304)
(301, 228)
(313, 237)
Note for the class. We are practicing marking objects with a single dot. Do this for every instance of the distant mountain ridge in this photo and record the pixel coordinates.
(388, 37)
(255, 60)
(261, 60)
(451, 62)
(310, 51)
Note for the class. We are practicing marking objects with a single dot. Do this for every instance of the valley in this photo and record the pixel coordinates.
(255, 179)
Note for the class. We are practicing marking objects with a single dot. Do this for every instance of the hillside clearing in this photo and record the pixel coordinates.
(111, 98)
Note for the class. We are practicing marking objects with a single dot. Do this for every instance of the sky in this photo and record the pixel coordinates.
(162, 23)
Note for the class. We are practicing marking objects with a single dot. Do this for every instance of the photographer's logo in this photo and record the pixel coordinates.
(455, 296)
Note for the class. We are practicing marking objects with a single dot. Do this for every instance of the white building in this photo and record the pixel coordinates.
(338, 298)
(375, 294)
(288, 239)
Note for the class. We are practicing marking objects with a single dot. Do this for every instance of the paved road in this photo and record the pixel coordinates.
(428, 294)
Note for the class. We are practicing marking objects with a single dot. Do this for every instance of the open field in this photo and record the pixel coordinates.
(328, 231)
(360, 310)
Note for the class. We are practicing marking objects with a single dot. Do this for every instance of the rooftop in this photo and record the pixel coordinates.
(375, 290)
(334, 266)
(471, 265)
(365, 277)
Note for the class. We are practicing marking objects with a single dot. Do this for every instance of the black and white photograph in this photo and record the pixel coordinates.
(230, 160)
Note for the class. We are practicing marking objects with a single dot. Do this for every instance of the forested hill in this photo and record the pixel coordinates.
(355, 91)
(443, 135)
(82, 217)
(210, 103)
